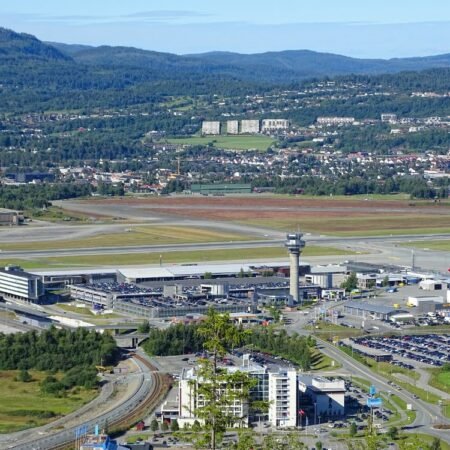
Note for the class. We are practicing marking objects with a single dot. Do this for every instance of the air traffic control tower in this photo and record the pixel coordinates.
(295, 245)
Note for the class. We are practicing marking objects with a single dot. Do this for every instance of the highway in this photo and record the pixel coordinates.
(426, 414)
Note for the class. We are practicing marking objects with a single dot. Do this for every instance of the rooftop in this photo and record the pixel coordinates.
(370, 307)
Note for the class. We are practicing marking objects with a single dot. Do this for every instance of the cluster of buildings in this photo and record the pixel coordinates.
(244, 126)
(290, 396)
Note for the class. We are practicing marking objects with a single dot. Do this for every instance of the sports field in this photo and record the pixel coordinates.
(123, 259)
(261, 143)
(134, 236)
(22, 405)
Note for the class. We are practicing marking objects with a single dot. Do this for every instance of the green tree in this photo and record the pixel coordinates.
(435, 444)
(144, 327)
(392, 433)
(24, 376)
(174, 425)
(353, 429)
(218, 388)
(319, 445)
(351, 282)
(154, 425)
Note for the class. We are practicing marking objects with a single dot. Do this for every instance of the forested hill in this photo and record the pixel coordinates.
(284, 66)
(15, 46)
(37, 76)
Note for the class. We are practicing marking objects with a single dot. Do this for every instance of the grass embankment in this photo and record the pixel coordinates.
(322, 362)
(326, 330)
(440, 379)
(134, 236)
(227, 142)
(200, 256)
(85, 311)
(22, 405)
(417, 441)
(57, 214)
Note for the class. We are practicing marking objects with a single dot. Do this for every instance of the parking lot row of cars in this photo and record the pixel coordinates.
(428, 349)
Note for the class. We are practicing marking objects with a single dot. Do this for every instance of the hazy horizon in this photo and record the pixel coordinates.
(383, 30)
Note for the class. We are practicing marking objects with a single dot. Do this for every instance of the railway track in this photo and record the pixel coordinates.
(158, 387)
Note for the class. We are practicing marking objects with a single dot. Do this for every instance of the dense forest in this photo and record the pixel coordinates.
(75, 353)
(32, 196)
(179, 339)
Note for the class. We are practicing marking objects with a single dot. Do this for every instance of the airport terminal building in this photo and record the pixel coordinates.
(16, 284)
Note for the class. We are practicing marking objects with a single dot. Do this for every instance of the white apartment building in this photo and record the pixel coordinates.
(275, 124)
(232, 127)
(335, 120)
(283, 398)
(19, 285)
(211, 127)
(249, 126)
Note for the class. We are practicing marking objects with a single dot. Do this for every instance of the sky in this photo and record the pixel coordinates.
(358, 28)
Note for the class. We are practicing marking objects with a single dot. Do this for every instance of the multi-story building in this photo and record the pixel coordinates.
(190, 399)
(232, 127)
(278, 387)
(274, 125)
(283, 398)
(327, 395)
(211, 127)
(387, 117)
(335, 120)
(16, 284)
(249, 126)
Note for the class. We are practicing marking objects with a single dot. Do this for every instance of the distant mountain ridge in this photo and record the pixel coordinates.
(283, 66)
(270, 67)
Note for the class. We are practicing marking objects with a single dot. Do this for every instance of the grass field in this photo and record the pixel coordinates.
(440, 245)
(440, 379)
(322, 362)
(373, 225)
(86, 312)
(23, 406)
(227, 142)
(198, 256)
(133, 237)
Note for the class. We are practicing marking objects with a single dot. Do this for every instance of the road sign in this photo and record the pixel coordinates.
(374, 402)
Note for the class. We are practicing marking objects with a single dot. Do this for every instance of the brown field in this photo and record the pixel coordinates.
(321, 214)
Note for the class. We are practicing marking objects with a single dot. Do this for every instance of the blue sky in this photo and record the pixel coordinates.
(381, 28)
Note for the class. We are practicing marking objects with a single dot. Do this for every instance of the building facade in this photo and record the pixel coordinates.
(283, 398)
(274, 125)
(211, 127)
(232, 127)
(249, 126)
(17, 284)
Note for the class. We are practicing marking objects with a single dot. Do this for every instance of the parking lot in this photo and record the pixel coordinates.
(428, 350)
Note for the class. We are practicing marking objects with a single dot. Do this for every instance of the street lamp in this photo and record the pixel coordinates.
(315, 413)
